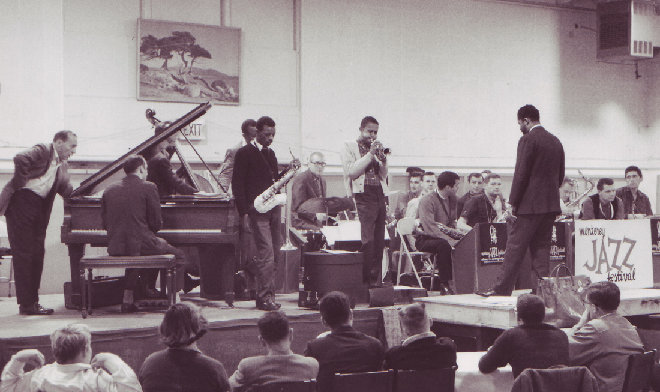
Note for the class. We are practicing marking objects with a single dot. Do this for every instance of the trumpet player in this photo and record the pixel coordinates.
(255, 171)
(365, 172)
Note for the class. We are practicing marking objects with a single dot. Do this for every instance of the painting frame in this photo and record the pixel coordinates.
(188, 62)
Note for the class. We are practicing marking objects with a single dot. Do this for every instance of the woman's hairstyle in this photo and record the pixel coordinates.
(69, 342)
(182, 325)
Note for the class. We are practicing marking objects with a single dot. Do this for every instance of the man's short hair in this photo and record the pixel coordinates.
(604, 181)
(133, 163)
(273, 326)
(473, 175)
(63, 135)
(530, 309)
(633, 168)
(530, 112)
(414, 317)
(414, 171)
(182, 325)
(490, 177)
(447, 178)
(69, 342)
(567, 180)
(368, 120)
(428, 173)
(247, 124)
(605, 295)
(335, 308)
(265, 121)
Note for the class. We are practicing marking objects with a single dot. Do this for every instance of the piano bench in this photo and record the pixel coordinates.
(166, 263)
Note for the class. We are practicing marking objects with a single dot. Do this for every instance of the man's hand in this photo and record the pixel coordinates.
(106, 361)
(31, 357)
(295, 164)
(321, 217)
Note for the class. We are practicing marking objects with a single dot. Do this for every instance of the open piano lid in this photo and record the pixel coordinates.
(87, 187)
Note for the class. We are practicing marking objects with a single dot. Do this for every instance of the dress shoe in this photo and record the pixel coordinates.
(267, 304)
(153, 293)
(486, 293)
(34, 310)
(190, 283)
(444, 289)
(128, 308)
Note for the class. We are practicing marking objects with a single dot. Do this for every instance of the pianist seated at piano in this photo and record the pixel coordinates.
(130, 212)
(308, 185)
(488, 206)
(603, 205)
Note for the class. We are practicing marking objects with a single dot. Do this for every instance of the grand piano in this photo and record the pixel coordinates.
(209, 224)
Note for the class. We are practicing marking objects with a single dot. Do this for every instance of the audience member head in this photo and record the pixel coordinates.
(65, 143)
(135, 164)
(448, 182)
(265, 131)
(605, 296)
(415, 179)
(530, 309)
(182, 325)
(492, 185)
(368, 129)
(316, 163)
(566, 190)
(249, 129)
(274, 329)
(606, 190)
(474, 183)
(335, 309)
(428, 182)
(414, 319)
(633, 176)
(72, 344)
(528, 116)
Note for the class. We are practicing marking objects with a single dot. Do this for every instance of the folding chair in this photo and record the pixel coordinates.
(639, 372)
(427, 380)
(286, 386)
(405, 228)
(381, 381)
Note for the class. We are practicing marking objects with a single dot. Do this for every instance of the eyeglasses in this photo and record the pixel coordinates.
(322, 164)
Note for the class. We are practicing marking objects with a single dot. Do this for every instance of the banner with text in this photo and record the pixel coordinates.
(615, 250)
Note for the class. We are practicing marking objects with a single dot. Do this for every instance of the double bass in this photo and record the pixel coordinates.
(209, 223)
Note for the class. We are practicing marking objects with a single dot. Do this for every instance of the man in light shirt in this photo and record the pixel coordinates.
(26, 201)
(72, 370)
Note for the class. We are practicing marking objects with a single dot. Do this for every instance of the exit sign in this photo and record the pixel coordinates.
(193, 131)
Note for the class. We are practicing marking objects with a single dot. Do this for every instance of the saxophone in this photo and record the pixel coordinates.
(270, 198)
(450, 231)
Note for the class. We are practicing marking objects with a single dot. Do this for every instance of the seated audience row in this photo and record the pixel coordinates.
(602, 340)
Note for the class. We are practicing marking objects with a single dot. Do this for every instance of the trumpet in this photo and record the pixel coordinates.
(380, 151)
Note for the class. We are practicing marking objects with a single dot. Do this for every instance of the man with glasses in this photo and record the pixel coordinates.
(308, 185)
(634, 200)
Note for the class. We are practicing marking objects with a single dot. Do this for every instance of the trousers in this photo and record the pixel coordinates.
(266, 233)
(371, 213)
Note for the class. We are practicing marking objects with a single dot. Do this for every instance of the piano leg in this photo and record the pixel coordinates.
(217, 264)
(76, 252)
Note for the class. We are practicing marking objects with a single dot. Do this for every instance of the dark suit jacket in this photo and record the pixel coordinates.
(254, 172)
(130, 211)
(425, 353)
(344, 350)
(160, 172)
(304, 186)
(33, 163)
(539, 173)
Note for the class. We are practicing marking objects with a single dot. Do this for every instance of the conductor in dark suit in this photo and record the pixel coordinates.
(534, 199)
(130, 211)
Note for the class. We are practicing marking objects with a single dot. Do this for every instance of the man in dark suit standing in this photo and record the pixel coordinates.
(255, 170)
(26, 201)
(130, 211)
(534, 199)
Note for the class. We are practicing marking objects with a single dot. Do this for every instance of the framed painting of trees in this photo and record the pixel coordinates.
(185, 62)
